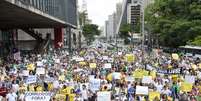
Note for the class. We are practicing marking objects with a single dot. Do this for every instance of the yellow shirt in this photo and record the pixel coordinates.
(39, 89)
(72, 97)
(31, 88)
(50, 86)
(67, 91)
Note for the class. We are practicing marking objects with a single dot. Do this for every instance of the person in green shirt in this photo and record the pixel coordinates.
(175, 91)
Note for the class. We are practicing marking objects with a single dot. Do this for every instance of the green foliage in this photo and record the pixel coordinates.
(196, 41)
(124, 30)
(90, 31)
(176, 21)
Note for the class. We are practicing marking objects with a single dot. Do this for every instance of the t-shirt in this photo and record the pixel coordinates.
(11, 97)
(21, 97)
(84, 94)
(72, 97)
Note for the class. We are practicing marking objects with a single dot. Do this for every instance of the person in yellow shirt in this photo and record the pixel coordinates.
(72, 95)
(31, 88)
(39, 88)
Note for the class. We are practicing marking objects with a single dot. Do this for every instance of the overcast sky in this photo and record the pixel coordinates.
(99, 10)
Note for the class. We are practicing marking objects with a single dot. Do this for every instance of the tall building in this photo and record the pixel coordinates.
(134, 12)
(41, 19)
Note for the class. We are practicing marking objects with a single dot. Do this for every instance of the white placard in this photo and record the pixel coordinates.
(116, 75)
(108, 65)
(104, 96)
(147, 79)
(38, 96)
(40, 71)
(190, 79)
(79, 59)
(49, 79)
(31, 79)
(94, 84)
(105, 57)
(39, 63)
(57, 61)
(142, 90)
(130, 78)
(25, 73)
(91, 77)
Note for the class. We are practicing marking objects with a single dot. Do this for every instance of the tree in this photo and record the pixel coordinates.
(196, 41)
(90, 31)
(175, 21)
(124, 30)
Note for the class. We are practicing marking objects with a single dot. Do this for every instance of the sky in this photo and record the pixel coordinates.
(98, 10)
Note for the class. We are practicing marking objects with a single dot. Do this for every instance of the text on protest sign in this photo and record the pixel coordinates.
(31, 79)
(38, 96)
(94, 84)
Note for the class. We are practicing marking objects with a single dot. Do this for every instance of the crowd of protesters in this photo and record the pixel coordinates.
(97, 74)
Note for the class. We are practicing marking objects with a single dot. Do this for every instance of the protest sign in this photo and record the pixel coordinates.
(57, 61)
(189, 79)
(105, 57)
(49, 79)
(175, 56)
(130, 57)
(31, 79)
(142, 90)
(186, 87)
(92, 65)
(40, 71)
(168, 71)
(104, 96)
(38, 96)
(147, 79)
(138, 74)
(25, 73)
(91, 77)
(108, 65)
(153, 95)
(39, 63)
(79, 59)
(130, 78)
(94, 84)
(116, 75)
(82, 63)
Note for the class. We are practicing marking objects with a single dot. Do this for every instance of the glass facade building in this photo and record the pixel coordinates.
(65, 10)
